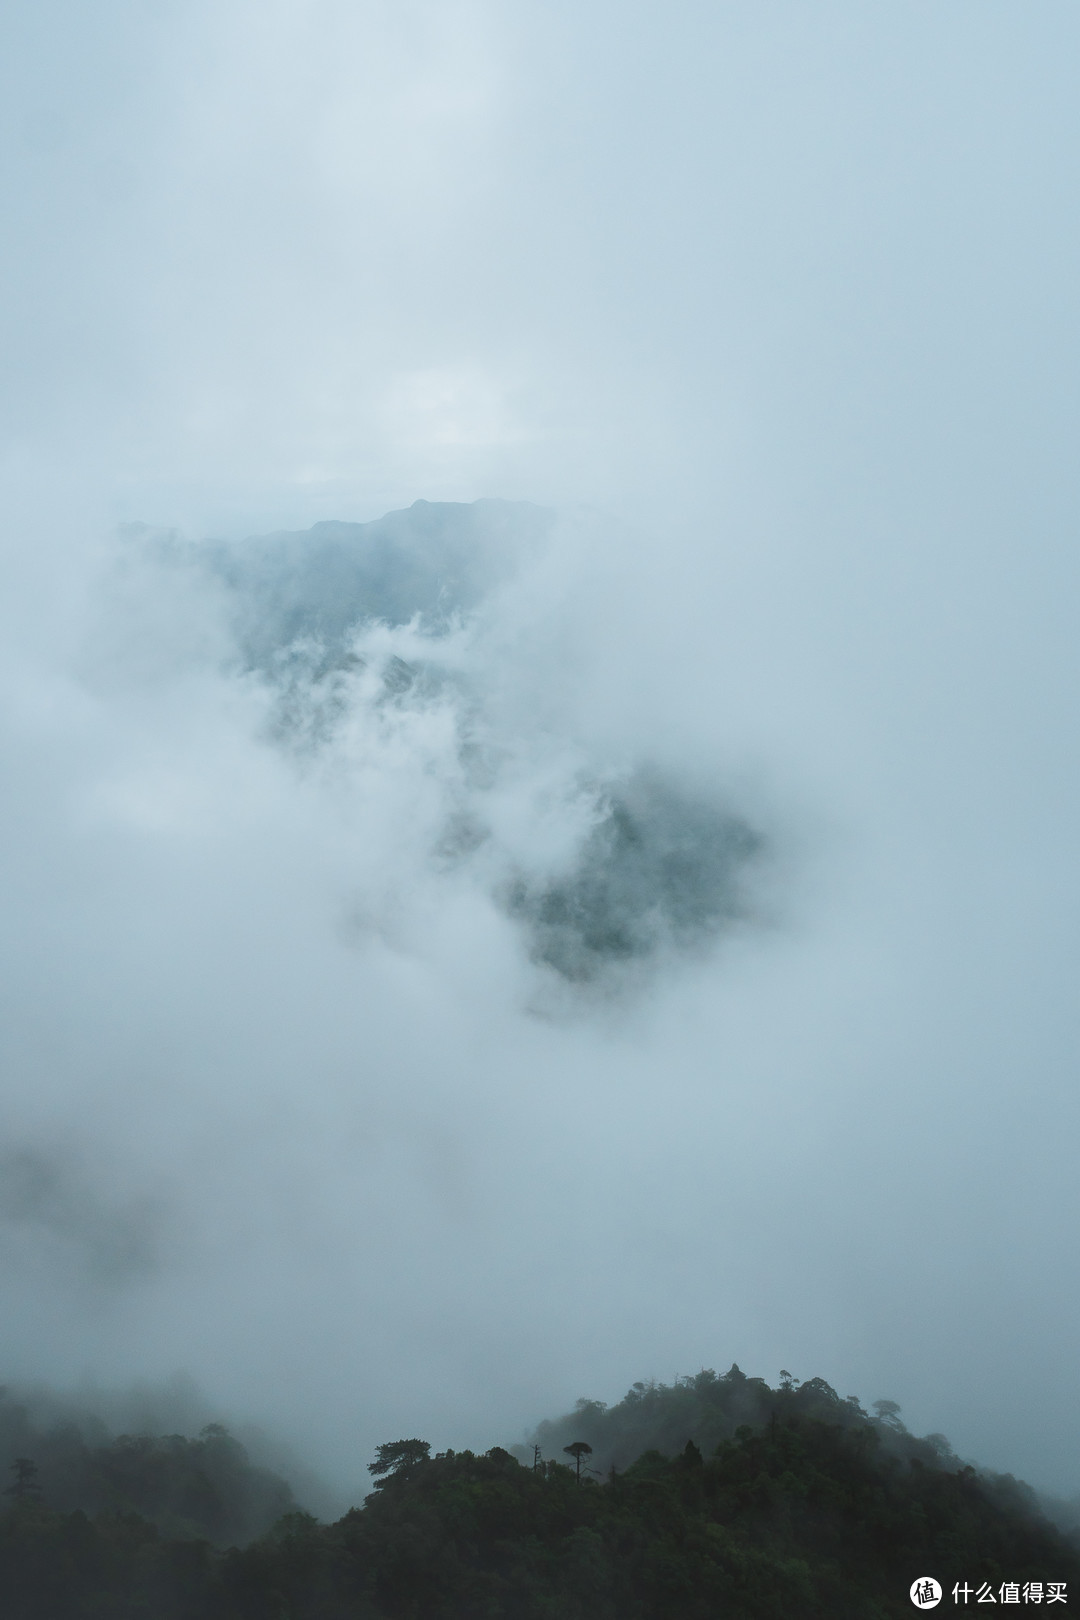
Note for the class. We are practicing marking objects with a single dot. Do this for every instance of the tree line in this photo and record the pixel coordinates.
(813, 1508)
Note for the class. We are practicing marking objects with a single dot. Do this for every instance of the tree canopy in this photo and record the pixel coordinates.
(812, 1509)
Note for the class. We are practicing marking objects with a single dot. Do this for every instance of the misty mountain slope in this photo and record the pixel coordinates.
(394, 640)
(708, 1409)
(808, 1509)
(204, 1487)
(657, 867)
(433, 561)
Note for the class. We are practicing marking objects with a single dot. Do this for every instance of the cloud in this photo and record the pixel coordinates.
(774, 308)
(655, 869)
(377, 646)
(51, 1211)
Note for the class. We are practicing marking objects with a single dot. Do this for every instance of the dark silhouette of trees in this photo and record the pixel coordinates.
(399, 1456)
(578, 1449)
(807, 1509)
(204, 1487)
(889, 1412)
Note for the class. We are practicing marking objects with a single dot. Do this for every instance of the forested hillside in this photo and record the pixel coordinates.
(808, 1507)
(708, 1408)
(205, 1487)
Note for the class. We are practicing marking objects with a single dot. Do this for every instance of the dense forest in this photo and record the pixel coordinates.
(715, 1496)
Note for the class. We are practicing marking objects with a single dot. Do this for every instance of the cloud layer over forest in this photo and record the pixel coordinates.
(461, 957)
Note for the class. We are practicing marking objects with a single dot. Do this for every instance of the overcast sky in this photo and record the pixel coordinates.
(775, 304)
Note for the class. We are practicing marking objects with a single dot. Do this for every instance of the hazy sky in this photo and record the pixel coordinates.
(775, 304)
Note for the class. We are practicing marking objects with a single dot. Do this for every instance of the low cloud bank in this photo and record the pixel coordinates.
(421, 1011)
(377, 646)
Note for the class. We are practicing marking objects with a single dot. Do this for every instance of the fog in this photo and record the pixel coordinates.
(641, 934)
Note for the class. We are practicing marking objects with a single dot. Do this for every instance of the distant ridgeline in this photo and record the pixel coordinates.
(809, 1508)
(708, 1409)
(302, 595)
(382, 618)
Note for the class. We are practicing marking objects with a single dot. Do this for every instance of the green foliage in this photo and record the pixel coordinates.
(709, 1408)
(809, 1512)
(398, 1456)
(203, 1488)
